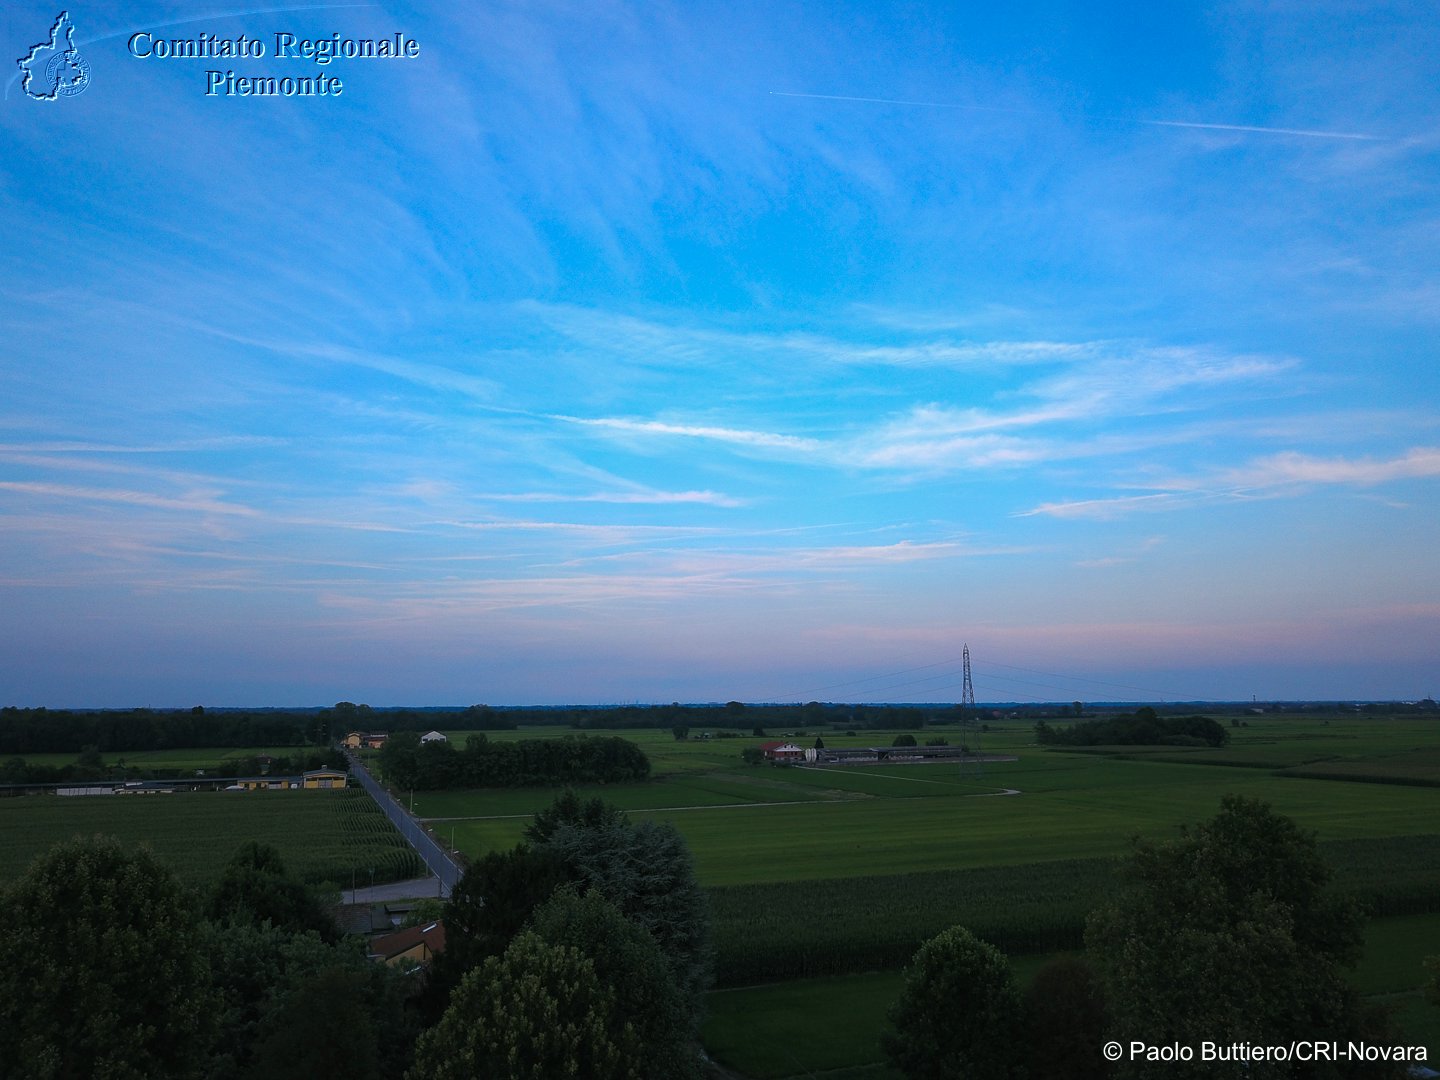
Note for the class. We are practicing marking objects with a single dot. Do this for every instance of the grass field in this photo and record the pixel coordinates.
(323, 836)
(805, 1027)
(763, 824)
(823, 881)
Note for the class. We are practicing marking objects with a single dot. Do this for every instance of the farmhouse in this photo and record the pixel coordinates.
(416, 943)
(782, 751)
(372, 739)
(260, 783)
(897, 755)
(315, 780)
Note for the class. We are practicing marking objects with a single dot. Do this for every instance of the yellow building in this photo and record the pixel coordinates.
(325, 778)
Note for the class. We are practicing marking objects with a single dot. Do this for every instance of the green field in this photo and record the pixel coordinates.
(804, 1027)
(823, 881)
(323, 836)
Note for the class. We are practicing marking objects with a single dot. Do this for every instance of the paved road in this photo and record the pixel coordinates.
(415, 889)
(435, 857)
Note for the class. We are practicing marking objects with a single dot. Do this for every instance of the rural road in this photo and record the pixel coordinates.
(435, 857)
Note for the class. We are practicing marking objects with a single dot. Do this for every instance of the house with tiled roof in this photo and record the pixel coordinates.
(418, 944)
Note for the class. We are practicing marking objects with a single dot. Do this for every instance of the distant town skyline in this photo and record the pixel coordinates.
(650, 353)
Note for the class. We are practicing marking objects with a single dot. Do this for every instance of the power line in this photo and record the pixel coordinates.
(1081, 678)
(1067, 689)
(872, 678)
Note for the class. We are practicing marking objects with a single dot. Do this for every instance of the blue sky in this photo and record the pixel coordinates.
(609, 353)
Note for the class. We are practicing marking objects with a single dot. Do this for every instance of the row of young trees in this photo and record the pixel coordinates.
(1229, 934)
(110, 968)
(1140, 728)
(409, 763)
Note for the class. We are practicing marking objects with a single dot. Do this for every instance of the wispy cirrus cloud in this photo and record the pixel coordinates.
(1118, 380)
(1288, 473)
(652, 340)
(623, 498)
(1296, 468)
(1106, 509)
(736, 436)
(199, 503)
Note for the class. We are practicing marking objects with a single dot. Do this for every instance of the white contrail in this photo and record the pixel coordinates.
(1249, 128)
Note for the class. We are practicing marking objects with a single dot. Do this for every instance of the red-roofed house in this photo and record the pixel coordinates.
(417, 943)
(782, 751)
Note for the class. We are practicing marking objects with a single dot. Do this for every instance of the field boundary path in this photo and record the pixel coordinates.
(431, 853)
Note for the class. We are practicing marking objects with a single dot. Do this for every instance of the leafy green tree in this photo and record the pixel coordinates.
(959, 1014)
(681, 732)
(254, 888)
(399, 759)
(535, 1013)
(904, 740)
(630, 963)
(752, 755)
(489, 905)
(568, 809)
(269, 983)
(1231, 934)
(321, 1027)
(1065, 1022)
(100, 973)
(646, 871)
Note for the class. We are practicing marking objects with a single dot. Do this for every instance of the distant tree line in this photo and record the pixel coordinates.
(70, 731)
(1140, 728)
(89, 765)
(408, 763)
(737, 714)
(63, 731)
(44, 731)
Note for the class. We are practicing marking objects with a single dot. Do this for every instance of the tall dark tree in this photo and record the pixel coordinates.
(629, 962)
(489, 905)
(646, 871)
(275, 987)
(321, 1027)
(1065, 1022)
(535, 1013)
(569, 809)
(1231, 934)
(100, 970)
(399, 759)
(254, 888)
(959, 1014)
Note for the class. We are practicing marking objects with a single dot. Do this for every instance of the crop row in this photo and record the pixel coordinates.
(790, 930)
